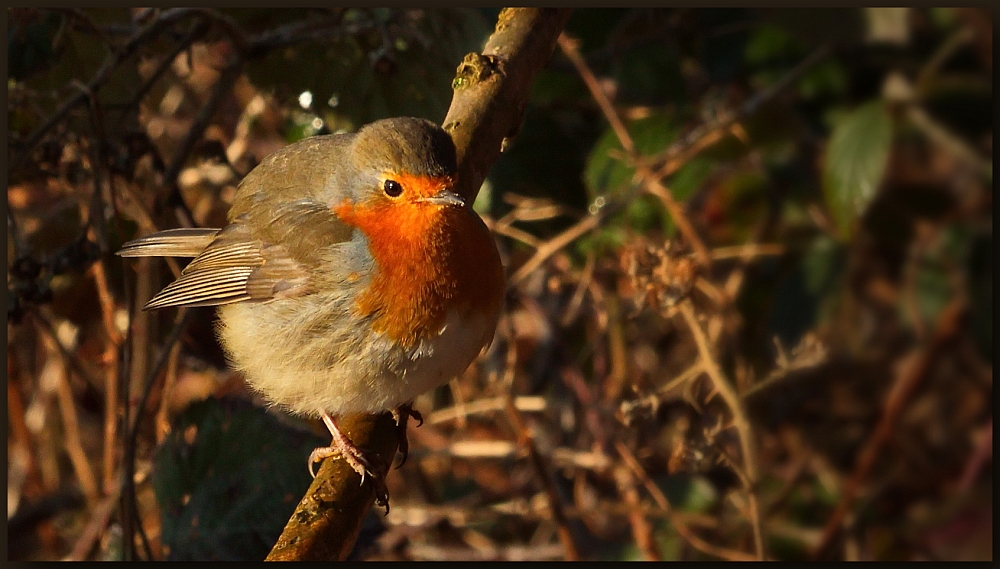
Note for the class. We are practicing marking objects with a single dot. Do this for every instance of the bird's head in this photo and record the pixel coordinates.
(402, 164)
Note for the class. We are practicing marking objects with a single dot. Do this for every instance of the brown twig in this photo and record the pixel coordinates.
(675, 518)
(740, 421)
(527, 403)
(141, 37)
(21, 439)
(576, 301)
(650, 181)
(903, 387)
(44, 317)
(67, 410)
(747, 251)
(149, 379)
(196, 31)
(980, 455)
(525, 440)
(642, 530)
(655, 186)
(423, 515)
(99, 518)
(129, 504)
(570, 48)
(96, 225)
(682, 151)
(227, 78)
(162, 416)
(555, 244)
(109, 359)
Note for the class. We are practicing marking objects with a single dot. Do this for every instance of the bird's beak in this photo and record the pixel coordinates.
(444, 198)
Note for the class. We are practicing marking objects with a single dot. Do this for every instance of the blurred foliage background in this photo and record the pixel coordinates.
(836, 164)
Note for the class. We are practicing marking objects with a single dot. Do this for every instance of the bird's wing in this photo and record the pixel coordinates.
(170, 243)
(239, 264)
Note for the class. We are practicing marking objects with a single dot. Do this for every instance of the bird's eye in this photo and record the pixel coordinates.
(392, 188)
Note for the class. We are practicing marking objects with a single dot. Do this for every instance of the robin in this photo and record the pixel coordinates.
(350, 279)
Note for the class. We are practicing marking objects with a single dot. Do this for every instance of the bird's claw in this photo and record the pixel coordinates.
(361, 466)
(351, 455)
(402, 415)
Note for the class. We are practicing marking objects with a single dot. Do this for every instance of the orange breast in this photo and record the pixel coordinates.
(429, 260)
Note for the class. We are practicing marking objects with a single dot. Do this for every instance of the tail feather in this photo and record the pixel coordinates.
(170, 243)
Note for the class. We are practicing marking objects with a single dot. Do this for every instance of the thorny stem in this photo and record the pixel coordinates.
(109, 359)
(679, 524)
(655, 187)
(740, 421)
(570, 48)
(554, 245)
(652, 182)
(680, 153)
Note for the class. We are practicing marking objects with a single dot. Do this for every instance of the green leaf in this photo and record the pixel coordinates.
(227, 479)
(606, 169)
(829, 78)
(855, 161)
(645, 212)
(768, 42)
(690, 177)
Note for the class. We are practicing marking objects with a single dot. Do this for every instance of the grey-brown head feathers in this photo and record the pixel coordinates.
(405, 145)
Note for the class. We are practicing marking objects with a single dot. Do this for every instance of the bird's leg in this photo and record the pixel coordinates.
(340, 445)
(402, 415)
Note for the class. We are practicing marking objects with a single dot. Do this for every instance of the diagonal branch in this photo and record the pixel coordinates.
(949, 322)
(492, 89)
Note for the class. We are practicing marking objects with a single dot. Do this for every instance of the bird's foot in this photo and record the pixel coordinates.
(402, 416)
(341, 445)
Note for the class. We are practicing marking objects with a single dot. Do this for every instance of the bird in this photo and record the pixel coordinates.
(351, 276)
